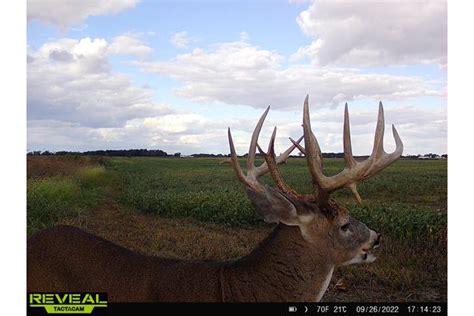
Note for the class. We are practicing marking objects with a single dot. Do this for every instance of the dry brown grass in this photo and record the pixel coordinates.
(176, 238)
(49, 166)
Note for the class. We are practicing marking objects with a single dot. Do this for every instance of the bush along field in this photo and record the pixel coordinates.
(162, 206)
(62, 188)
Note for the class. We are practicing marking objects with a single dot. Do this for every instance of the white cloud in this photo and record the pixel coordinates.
(129, 44)
(68, 13)
(239, 73)
(375, 32)
(181, 39)
(198, 133)
(421, 129)
(178, 132)
(72, 81)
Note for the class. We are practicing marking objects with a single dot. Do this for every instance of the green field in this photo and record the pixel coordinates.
(406, 202)
(402, 198)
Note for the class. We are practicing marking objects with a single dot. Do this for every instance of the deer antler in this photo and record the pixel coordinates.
(270, 164)
(354, 171)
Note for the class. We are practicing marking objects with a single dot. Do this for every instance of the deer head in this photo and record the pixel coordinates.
(323, 223)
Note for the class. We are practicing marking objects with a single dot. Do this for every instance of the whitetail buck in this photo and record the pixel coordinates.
(294, 263)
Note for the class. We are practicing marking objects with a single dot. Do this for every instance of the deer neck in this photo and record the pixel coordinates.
(283, 267)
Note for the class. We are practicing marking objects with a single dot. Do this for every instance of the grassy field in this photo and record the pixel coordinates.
(195, 208)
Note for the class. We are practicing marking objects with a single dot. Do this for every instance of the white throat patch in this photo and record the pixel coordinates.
(325, 285)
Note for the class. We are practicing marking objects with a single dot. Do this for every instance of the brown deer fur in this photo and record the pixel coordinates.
(66, 258)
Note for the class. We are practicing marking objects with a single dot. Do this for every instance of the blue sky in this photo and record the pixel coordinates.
(174, 75)
(209, 22)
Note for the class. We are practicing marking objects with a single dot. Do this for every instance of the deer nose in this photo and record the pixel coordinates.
(377, 241)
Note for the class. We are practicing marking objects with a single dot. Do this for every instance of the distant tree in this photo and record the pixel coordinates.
(128, 153)
(177, 155)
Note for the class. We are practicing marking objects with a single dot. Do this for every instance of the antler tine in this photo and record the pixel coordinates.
(300, 148)
(378, 151)
(398, 146)
(271, 144)
(269, 156)
(271, 162)
(386, 159)
(313, 152)
(253, 143)
(350, 162)
(379, 158)
(248, 181)
(263, 169)
(348, 157)
(284, 156)
(233, 158)
(398, 143)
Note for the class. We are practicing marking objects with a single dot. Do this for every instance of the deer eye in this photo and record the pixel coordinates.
(345, 227)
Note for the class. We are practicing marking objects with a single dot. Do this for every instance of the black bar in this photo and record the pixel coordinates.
(342, 309)
(290, 309)
(284, 308)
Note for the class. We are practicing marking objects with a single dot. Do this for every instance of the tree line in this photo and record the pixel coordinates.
(108, 152)
(162, 153)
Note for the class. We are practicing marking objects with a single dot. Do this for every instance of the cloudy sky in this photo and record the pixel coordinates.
(173, 75)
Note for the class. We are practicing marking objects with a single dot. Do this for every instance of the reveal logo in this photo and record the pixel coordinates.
(67, 303)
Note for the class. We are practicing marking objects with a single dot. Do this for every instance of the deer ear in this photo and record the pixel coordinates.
(275, 207)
